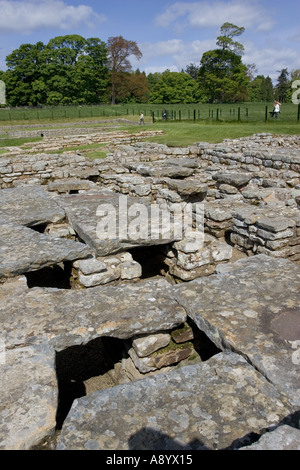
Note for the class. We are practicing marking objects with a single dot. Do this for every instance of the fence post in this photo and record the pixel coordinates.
(179, 114)
(298, 111)
(194, 115)
(266, 114)
(217, 118)
(153, 117)
(239, 114)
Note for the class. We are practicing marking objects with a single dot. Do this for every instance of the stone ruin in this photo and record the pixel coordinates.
(157, 342)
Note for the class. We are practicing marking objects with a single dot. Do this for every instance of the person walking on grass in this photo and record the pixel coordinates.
(142, 118)
(276, 109)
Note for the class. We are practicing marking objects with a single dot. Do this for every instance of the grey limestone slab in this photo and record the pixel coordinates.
(252, 307)
(23, 250)
(111, 223)
(28, 396)
(65, 318)
(211, 405)
(29, 205)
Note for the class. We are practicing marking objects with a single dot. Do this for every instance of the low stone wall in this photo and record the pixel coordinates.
(126, 154)
(43, 168)
(267, 231)
(255, 159)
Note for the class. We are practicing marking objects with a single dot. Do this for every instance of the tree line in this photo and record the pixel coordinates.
(73, 70)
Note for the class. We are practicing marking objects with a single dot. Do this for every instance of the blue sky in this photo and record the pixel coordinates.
(170, 34)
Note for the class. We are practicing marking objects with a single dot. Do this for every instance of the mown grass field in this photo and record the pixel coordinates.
(182, 132)
(245, 112)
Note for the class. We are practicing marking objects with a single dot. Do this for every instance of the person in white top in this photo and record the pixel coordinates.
(276, 110)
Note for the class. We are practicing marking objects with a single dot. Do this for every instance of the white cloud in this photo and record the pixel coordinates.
(161, 48)
(271, 60)
(192, 53)
(29, 16)
(174, 51)
(213, 14)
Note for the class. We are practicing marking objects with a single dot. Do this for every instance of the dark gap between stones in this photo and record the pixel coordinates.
(57, 276)
(40, 228)
(202, 343)
(77, 364)
(151, 259)
(88, 368)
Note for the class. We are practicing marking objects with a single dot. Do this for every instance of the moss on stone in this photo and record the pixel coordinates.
(172, 346)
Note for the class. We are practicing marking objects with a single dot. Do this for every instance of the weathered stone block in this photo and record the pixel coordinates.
(282, 438)
(28, 396)
(161, 358)
(146, 345)
(248, 297)
(91, 266)
(23, 250)
(183, 334)
(131, 270)
(100, 278)
(214, 404)
(29, 205)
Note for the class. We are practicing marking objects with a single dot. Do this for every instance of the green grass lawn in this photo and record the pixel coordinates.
(186, 133)
(18, 141)
(175, 133)
(92, 151)
(248, 112)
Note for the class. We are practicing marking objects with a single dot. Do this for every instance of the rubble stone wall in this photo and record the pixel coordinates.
(224, 347)
(253, 154)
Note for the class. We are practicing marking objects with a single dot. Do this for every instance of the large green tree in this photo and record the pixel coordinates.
(69, 69)
(173, 87)
(283, 85)
(222, 76)
(192, 70)
(261, 89)
(24, 66)
(226, 42)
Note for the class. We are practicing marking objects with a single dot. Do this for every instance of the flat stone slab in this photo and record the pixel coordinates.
(233, 179)
(211, 405)
(188, 187)
(23, 250)
(165, 170)
(28, 396)
(244, 308)
(65, 318)
(69, 184)
(110, 223)
(282, 438)
(221, 210)
(29, 205)
(182, 162)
